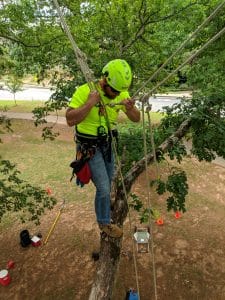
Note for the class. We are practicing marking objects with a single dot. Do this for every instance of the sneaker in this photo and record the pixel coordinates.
(112, 230)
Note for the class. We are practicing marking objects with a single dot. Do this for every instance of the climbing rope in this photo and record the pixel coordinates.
(148, 109)
(153, 145)
(129, 215)
(80, 56)
(215, 37)
(149, 201)
(150, 125)
(118, 162)
(217, 9)
(88, 74)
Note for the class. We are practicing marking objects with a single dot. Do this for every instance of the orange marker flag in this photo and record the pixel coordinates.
(49, 191)
(159, 221)
(177, 214)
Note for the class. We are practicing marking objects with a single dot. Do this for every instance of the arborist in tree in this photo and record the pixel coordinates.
(94, 114)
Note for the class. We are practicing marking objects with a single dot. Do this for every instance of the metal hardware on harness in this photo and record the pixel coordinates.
(142, 237)
(101, 132)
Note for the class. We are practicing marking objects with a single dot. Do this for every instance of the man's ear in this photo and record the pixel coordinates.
(104, 79)
(104, 82)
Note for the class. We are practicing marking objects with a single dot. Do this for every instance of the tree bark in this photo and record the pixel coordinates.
(110, 248)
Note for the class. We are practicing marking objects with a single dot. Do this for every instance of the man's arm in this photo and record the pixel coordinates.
(76, 115)
(131, 110)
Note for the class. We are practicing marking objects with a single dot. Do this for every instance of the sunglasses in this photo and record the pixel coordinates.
(113, 90)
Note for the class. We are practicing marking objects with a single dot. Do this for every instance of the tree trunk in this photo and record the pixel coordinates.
(14, 98)
(110, 248)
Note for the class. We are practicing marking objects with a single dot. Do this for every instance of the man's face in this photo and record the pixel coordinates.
(109, 91)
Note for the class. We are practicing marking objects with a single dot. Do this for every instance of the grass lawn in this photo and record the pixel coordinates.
(28, 106)
(43, 163)
(24, 106)
(20, 106)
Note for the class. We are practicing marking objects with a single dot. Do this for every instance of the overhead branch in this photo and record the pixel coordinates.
(173, 14)
(20, 42)
(147, 20)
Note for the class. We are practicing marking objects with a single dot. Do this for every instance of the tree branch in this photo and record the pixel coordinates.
(144, 22)
(110, 248)
(18, 41)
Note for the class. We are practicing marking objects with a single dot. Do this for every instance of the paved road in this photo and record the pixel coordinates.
(39, 93)
(28, 93)
(29, 116)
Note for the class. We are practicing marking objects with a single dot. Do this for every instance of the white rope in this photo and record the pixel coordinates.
(153, 146)
(149, 204)
(129, 216)
(181, 47)
(80, 56)
(126, 198)
(215, 37)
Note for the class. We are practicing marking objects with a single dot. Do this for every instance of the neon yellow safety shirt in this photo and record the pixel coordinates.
(93, 120)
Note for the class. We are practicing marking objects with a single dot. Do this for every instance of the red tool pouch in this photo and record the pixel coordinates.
(84, 175)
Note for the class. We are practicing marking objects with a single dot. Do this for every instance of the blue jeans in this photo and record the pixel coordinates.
(102, 172)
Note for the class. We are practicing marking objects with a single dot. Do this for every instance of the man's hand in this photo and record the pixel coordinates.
(94, 97)
(76, 115)
(128, 103)
(131, 110)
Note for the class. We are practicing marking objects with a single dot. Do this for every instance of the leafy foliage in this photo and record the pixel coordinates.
(18, 195)
(176, 185)
(5, 125)
(130, 146)
(144, 212)
(137, 204)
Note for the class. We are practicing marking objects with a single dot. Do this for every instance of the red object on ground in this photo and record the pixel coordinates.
(49, 191)
(159, 221)
(177, 214)
(5, 279)
(10, 264)
(35, 241)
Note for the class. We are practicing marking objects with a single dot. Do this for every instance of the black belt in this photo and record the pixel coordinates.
(88, 141)
(96, 140)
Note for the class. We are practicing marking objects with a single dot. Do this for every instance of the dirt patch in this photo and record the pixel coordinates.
(189, 253)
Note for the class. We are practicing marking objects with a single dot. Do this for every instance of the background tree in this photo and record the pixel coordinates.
(14, 84)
